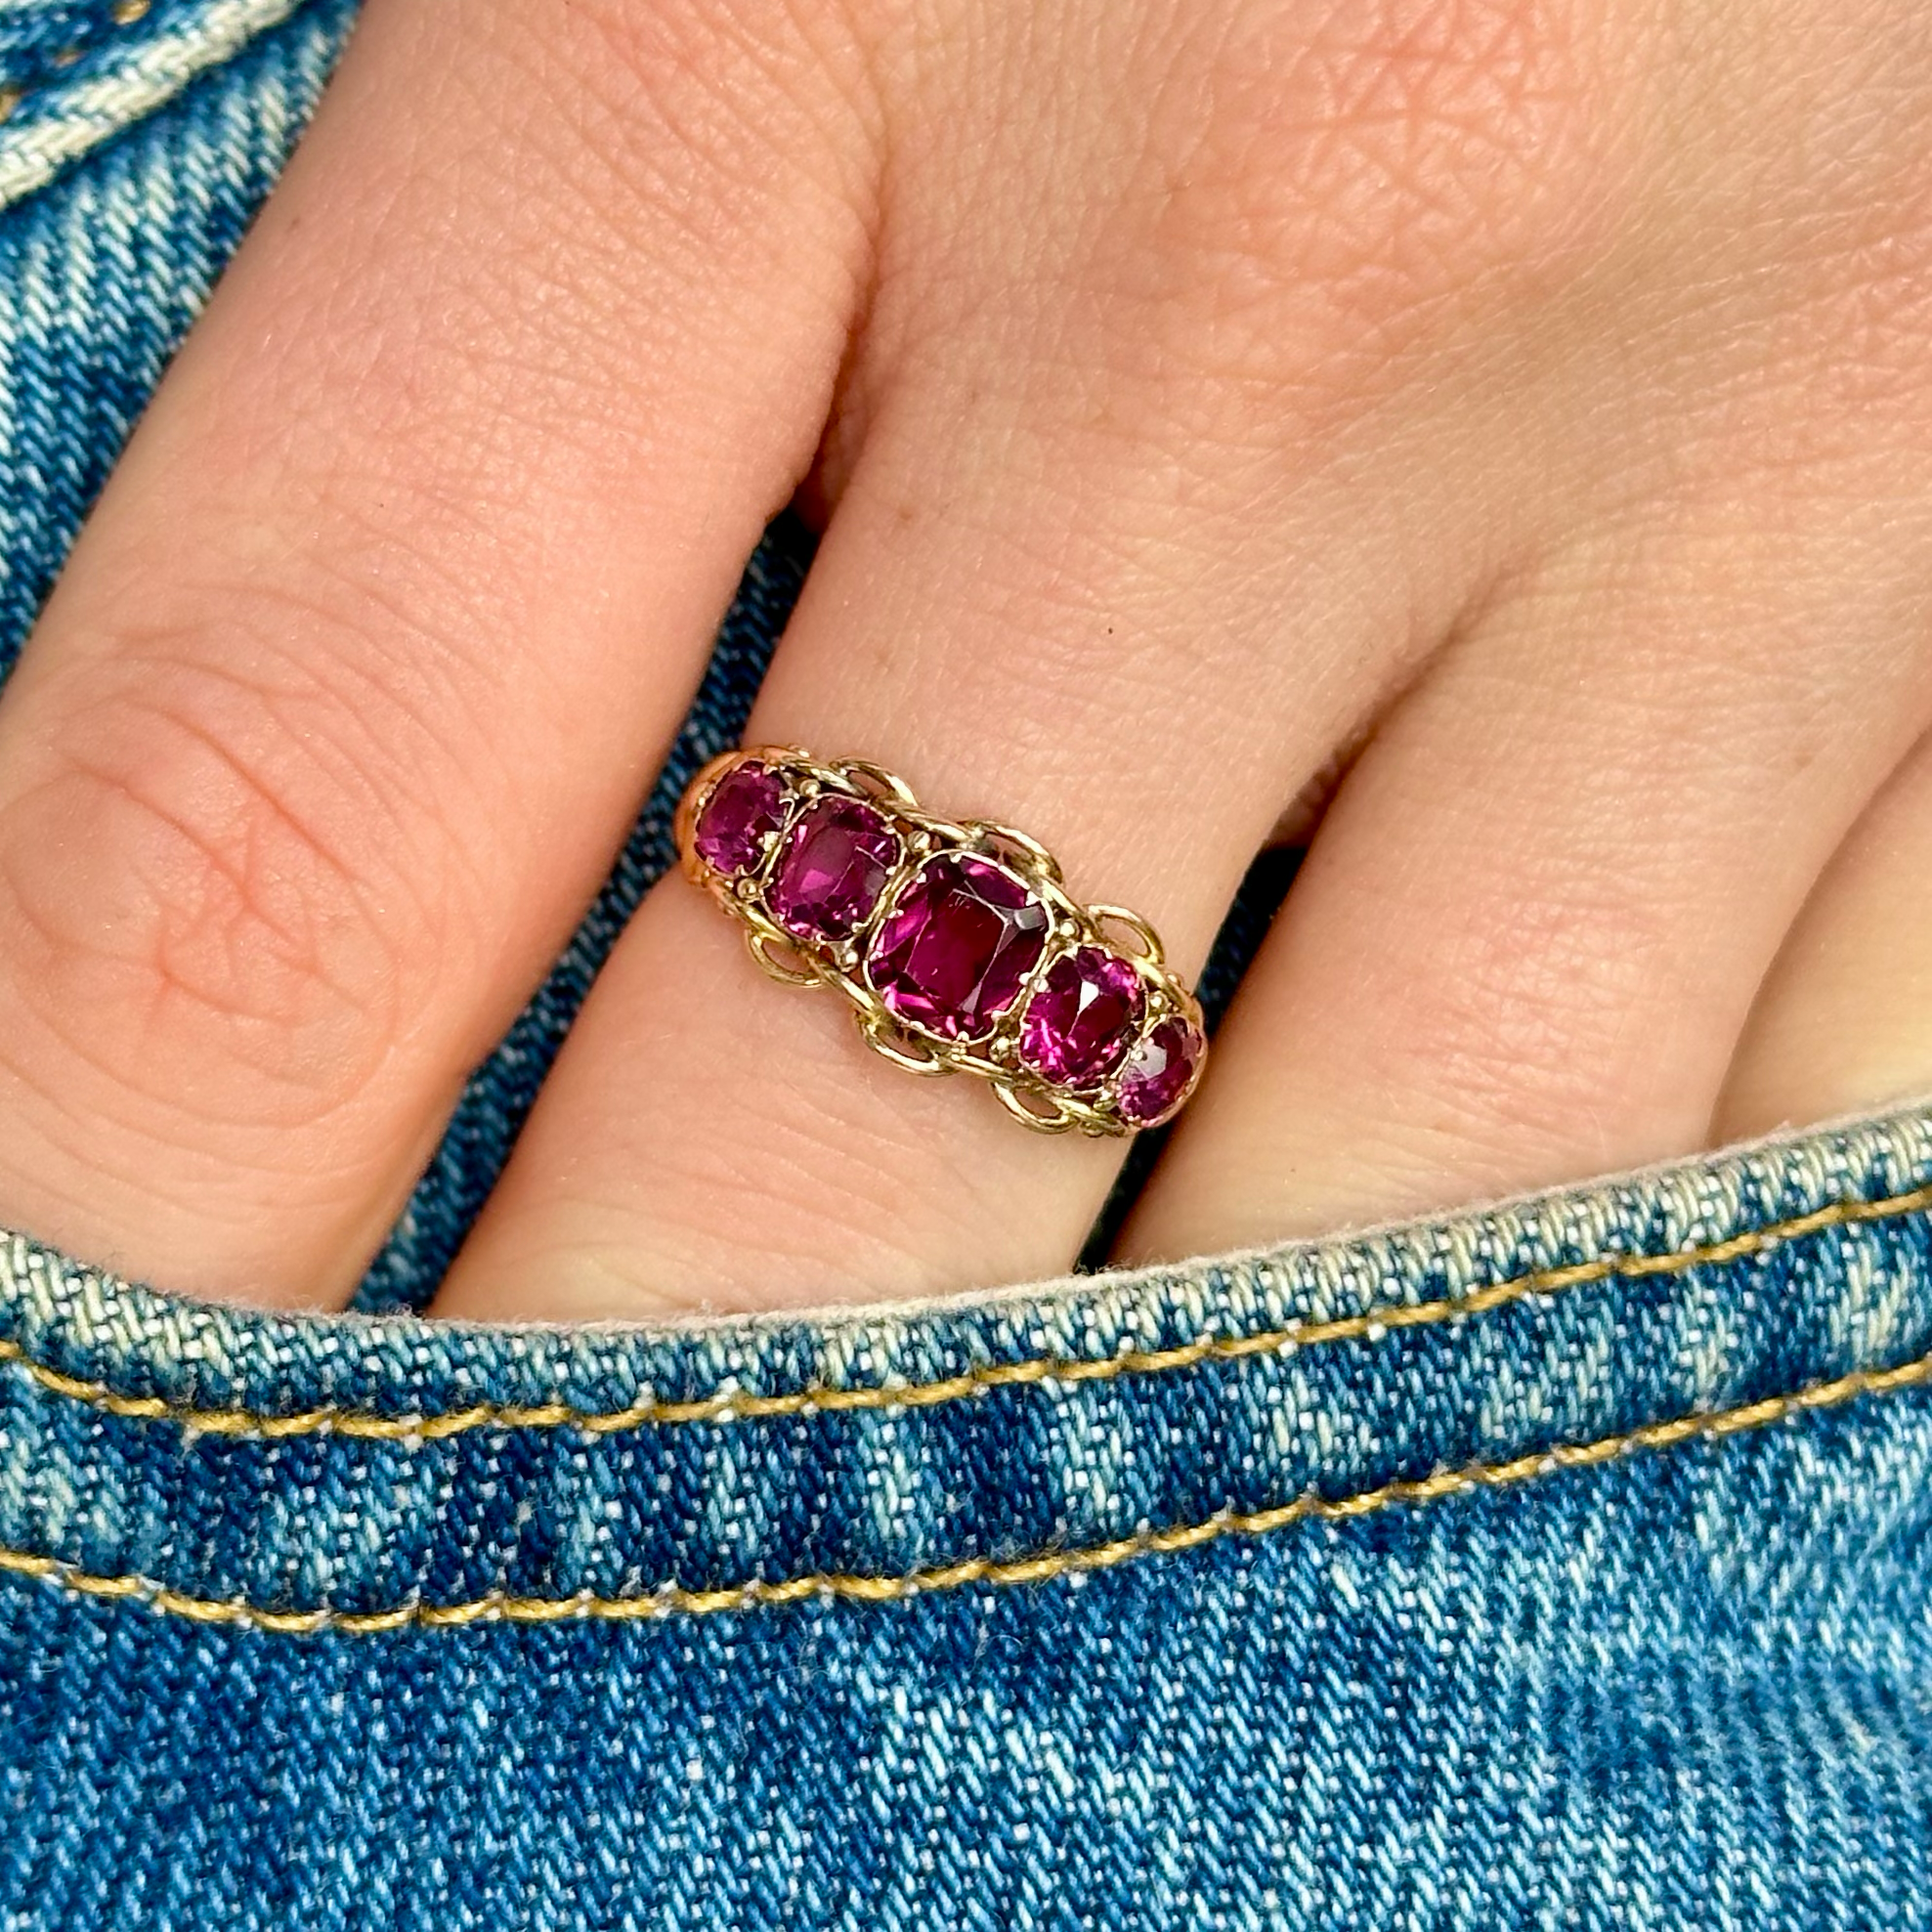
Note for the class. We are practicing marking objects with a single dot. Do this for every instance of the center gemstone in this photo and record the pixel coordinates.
(954, 952)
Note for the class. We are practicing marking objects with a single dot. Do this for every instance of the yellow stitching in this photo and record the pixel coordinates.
(673, 1600)
(1371, 1325)
(124, 13)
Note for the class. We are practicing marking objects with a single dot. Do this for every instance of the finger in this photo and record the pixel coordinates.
(1844, 1020)
(356, 677)
(1073, 659)
(1134, 531)
(1530, 930)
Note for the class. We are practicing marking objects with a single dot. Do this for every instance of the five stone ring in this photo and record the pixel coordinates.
(957, 944)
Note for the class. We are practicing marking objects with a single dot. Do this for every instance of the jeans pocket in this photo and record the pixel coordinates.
(1559, 1563)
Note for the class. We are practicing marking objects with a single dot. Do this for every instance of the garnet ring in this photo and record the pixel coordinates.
(957, 944)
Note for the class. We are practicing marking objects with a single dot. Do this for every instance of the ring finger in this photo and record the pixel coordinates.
(1081, 637)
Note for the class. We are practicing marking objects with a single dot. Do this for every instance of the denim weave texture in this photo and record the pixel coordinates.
(1561, 1564)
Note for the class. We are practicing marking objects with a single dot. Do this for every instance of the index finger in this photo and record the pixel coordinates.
(353, 682)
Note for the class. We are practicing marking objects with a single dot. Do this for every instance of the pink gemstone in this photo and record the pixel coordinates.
(832, 869)
(743, 811)
(957, 948)
(1079, 1022)
(1158, 1070)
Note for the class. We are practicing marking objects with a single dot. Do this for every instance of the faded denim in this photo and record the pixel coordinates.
(1558, 1565)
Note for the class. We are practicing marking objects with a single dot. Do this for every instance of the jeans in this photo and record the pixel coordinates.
(1562, 1563)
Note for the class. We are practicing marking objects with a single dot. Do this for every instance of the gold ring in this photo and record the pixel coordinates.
(956, 943)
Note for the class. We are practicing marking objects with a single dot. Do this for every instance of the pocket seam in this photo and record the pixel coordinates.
(77, 116)
(122, 14)
(1041, 1566)
(731, 1405)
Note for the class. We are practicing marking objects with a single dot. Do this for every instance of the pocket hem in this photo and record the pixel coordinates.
(145, 66)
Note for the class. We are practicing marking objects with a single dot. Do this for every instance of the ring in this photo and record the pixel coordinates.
(957, 944)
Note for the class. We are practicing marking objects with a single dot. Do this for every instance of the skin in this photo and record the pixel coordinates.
(1500, 427)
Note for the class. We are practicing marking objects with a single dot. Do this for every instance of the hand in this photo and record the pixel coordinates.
(1503, 427)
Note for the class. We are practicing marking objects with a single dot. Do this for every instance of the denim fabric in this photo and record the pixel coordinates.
(1558, 1565)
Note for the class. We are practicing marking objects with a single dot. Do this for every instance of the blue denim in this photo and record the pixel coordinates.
(1562, 1563)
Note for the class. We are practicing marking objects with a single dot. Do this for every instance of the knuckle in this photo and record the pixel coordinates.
(719, 95)
(195, 905)
(1314, 187)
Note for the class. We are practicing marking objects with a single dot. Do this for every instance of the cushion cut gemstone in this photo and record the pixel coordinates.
(833, 867)
(1158, 1070)
(744, 809)
(954, 952)
(1082, 1017)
